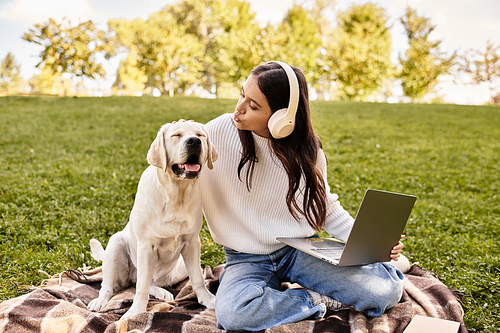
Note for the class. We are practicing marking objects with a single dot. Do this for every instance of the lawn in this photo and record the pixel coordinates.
(69, 169)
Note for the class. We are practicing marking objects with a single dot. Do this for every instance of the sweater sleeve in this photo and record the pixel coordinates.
(338, 221)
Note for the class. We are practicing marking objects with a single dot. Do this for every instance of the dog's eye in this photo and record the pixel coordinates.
(176, 135)
(200, 135)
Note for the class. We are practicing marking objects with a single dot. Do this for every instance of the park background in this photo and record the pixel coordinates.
(69, 165)
(355, 50)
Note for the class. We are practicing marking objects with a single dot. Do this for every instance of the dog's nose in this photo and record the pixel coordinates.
(193, 142)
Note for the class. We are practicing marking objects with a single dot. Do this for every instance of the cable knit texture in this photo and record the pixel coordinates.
(250, 221)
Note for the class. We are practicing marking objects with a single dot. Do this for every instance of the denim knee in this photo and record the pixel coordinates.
(386, 294)
(238, 313)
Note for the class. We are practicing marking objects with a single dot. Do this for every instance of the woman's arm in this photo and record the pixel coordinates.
(396, 250)
(338, 221)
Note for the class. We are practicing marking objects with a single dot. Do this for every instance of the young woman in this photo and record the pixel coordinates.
(261, 188)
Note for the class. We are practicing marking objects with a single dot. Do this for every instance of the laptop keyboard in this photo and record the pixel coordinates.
(332, 253)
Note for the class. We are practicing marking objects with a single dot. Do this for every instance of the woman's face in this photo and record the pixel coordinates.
(252, 112)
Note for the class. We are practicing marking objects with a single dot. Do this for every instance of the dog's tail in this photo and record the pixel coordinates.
(96, 250)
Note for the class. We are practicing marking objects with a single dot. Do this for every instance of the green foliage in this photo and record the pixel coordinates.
(233, 49)
(10, 75)
(298, 43)
(47, 82)
(199, 46)
(70, 167)
(194, 43)
(229, 35)
(161, 52)
(130, 79)
(359, 51)
(69, 49)
(423, 63)
(484, 66)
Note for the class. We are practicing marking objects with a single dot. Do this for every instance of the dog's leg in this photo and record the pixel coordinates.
(167, 274)
(115, 271)
(191, 255)
(161, 293)
(146, 261)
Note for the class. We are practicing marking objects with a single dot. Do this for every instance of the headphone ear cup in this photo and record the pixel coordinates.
(280, 125)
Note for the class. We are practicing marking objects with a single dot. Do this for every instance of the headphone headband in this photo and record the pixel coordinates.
(282, 122)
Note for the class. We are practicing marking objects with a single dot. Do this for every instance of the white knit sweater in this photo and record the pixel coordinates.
(250, 221)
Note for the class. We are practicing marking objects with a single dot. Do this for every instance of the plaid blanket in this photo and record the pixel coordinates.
(59, 305)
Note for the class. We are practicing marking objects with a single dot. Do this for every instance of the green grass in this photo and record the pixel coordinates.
(69, 169)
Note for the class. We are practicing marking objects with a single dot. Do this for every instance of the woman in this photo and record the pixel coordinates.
(262, 188)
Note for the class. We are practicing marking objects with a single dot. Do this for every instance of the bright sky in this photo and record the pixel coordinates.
(460, 24)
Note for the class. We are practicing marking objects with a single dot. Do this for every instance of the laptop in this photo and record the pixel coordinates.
(378, 226)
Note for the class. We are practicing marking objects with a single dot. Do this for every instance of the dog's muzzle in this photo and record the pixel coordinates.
(191, 168)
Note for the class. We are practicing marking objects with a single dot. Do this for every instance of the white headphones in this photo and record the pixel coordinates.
(282, 122)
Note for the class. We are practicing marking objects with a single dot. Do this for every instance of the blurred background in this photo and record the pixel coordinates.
(383, 51)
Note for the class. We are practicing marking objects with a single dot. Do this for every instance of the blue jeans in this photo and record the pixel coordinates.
(248, 298)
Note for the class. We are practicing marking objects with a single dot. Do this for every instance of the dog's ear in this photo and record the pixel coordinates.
(212, 153)
(157, 154)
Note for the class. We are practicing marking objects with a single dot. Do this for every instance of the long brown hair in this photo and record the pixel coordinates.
(297, 152)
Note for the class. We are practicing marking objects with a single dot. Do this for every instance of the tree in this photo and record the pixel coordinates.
(358, 53)
(234, 48)
(484, 66)
(297, 41)
(319, 14)
(70, 49)
(423, 63)
(161, 50)
(46, 82)
(10, 75)
(130, 79)
(230, 35)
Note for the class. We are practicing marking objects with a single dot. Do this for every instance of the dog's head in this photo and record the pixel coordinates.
(181, 148)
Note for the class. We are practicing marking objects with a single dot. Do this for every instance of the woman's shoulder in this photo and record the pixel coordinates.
(222, 119)
(223, 122)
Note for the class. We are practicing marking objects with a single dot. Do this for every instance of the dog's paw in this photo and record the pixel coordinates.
(207, 299)
(97, 304)
(130, 313)
(161, 293)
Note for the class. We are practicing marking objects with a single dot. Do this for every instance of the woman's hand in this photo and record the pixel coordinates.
(396, 250)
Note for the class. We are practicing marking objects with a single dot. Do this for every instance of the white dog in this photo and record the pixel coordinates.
(160, 245)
